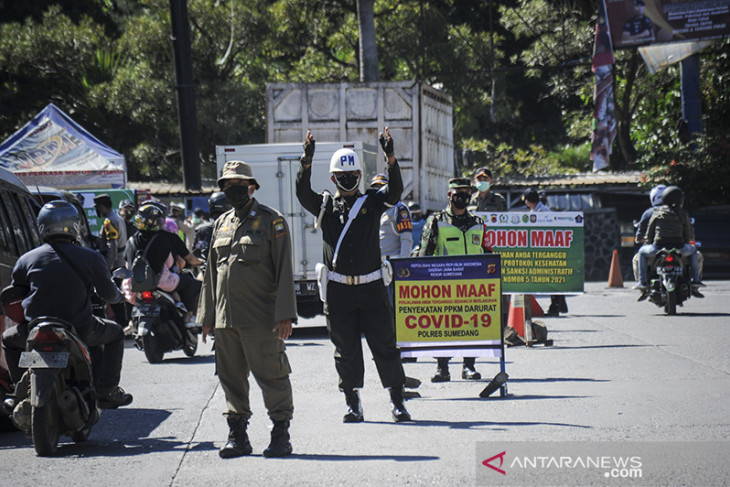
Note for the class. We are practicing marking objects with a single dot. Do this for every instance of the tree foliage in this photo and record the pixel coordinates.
(518, 72)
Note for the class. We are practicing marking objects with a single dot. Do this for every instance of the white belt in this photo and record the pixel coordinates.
(354, 280)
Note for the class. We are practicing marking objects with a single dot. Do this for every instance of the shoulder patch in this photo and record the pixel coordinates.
(110, 231)
(403, 220)
(279, 227)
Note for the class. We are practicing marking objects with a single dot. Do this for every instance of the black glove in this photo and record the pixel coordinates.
(387, 145)
(308, 152)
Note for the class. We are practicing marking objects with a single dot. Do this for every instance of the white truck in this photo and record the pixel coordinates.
(275, 168)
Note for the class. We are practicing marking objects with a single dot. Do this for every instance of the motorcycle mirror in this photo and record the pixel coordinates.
(122, 273)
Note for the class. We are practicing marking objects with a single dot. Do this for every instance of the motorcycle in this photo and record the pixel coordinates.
(56, 394)
(670, 284)
(158, 321)
(160, 326)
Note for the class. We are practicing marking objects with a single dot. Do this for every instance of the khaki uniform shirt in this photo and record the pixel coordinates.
(490, 202)
(249, 279)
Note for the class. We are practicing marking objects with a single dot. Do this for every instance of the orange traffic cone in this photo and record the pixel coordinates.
(516, 317)
(536, 308)
(614, 276)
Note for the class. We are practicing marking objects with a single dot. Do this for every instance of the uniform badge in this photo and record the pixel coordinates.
(476, 240)
(279, 227)
(256, 223)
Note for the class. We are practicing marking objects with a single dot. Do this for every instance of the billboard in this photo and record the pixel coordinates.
(644, 22)
(542, 252)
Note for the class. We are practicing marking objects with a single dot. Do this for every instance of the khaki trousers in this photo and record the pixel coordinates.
(240, 350)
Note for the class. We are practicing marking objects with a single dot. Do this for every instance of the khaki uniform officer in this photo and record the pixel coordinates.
(248, 295)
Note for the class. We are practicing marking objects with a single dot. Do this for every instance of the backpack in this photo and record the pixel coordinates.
(143, 277)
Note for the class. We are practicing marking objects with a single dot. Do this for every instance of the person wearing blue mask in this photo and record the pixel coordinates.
(484, 199)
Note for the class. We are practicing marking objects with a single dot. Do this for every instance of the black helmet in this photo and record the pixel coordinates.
(673, 197)
(415, 210)
(149, 217)
(59, 218)
(218, 204)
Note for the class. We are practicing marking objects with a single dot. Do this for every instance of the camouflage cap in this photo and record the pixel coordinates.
(237, 170)
(459, 183)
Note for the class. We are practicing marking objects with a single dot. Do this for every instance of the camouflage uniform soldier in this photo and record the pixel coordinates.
(454, 231)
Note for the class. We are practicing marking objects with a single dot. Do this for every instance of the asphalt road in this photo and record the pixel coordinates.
(619, 371)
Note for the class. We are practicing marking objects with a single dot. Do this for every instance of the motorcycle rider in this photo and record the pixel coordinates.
(161, 256)
(59, 277)
(217, 205)
(127, 211)
(655, 196)
(669, 227)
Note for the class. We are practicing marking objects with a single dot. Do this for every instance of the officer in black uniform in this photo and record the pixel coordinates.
(356, 301)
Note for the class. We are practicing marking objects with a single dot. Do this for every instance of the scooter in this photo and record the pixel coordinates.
(56, 394)
(159, 324)
(670, 285)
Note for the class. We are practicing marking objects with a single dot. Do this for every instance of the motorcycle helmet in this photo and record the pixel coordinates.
(655, 195)
(218, 204)
(415, 209)
(379, 180)
(149, 217)
(126, 205)
(59, 218)
(673, 197)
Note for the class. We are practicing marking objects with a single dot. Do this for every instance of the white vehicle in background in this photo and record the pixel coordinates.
(275, 168)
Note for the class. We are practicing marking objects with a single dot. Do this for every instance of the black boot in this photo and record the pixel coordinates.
(469, 372)
(280, 445)
(400, 414)
(354, 408)
(442, 370)
(238, 444)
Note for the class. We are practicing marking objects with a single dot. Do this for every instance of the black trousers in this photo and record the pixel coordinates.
(353, 311)
(105, 340)
(189, 289)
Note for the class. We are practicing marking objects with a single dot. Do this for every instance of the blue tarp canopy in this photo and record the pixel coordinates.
(53, 150)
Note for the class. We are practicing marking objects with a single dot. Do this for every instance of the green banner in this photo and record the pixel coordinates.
(542, 252)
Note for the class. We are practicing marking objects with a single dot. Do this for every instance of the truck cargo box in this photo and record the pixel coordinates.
(420, 119)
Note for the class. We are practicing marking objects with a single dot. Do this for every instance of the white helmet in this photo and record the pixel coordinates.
(655, 195)
(345, 160)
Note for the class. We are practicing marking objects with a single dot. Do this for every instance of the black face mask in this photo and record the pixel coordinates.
(347, 181)
(237, 195)
(460, 200)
